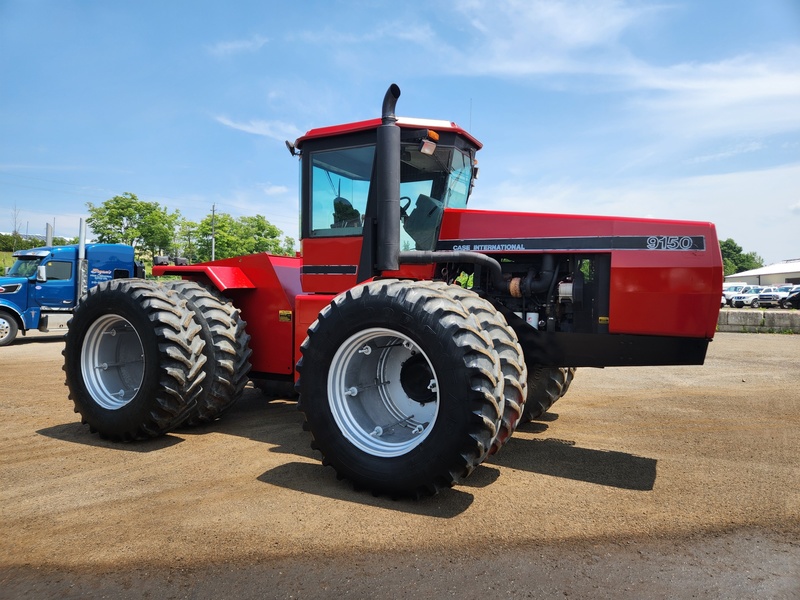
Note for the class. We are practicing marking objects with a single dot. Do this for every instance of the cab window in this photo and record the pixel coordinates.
(58, 270)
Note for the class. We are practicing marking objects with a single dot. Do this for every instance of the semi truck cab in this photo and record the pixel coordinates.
(42, 287)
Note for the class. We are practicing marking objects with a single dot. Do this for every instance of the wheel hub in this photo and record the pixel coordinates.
(383, 392)
(112, 360)
(417, 379)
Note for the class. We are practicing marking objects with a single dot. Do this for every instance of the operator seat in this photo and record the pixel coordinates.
(421, 224)
(344, 215)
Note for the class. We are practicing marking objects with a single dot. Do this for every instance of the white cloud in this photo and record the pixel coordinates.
(745, 95)
(519, 37)
(277, 130)
(562, 43)
(730, 152)
(275, 190)
(252, 44)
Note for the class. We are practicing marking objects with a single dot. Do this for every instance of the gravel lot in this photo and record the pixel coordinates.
(676, 482)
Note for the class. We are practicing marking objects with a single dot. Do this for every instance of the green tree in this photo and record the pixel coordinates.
(127, 220)
(186, 240)
(157, 227)
(735, 260)
(235, 237)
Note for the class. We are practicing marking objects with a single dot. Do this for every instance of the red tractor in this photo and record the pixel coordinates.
(419, 333)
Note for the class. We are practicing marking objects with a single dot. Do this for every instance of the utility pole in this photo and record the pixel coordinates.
(213, 231)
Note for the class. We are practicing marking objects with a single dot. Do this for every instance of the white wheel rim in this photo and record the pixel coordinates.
(369, 383)
(5, 328)
(112, 362)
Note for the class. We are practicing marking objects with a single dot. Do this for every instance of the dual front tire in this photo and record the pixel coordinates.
(400, 388)
(402, 385)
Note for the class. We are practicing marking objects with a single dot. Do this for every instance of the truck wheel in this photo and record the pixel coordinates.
(8, 328)
(545, 386)
(754, 303)
(512, 361)
(133, 359)
(227, 350)
(399, 388)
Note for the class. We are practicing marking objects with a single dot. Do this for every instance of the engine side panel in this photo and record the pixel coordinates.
(664, 279)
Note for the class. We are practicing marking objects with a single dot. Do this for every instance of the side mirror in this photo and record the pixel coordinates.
(41, 274)
(6, 270)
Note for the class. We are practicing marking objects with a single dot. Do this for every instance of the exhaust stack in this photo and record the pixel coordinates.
(388, 184)
(83, 264)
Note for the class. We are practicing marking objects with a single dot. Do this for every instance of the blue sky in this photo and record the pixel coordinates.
(678, 109)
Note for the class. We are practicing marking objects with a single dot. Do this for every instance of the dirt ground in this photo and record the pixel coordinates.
(669, 482)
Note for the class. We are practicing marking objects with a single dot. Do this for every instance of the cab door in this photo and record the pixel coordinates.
(59, 289)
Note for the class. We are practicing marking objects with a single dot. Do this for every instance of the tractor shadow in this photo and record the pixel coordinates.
(317, 480)
(77, 433)
(562, 458)
(278, 425)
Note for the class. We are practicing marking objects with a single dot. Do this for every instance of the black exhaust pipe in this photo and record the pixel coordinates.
(388, 184)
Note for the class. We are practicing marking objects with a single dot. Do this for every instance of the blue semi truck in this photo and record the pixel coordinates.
(43, 286)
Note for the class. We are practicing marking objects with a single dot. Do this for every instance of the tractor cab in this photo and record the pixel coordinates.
(339, 196)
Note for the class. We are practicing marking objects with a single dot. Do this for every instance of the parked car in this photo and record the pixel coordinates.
(775, 295)
(724, 301)
(731, 289)
(793, 299)
(747, 297)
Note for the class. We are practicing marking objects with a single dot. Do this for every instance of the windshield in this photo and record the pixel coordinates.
(428, 184)
(24, 267)
(340, 189)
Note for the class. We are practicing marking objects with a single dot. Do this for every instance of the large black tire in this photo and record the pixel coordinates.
(512, 361)
(227, 350)
(545, 386)
(399, 388)
(133, 359)
(8, 328)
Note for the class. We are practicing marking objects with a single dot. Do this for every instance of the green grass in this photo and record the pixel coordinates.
(5, 261)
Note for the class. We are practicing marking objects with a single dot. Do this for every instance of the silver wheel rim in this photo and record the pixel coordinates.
(5, 328)
(112, 362)
(383, 392)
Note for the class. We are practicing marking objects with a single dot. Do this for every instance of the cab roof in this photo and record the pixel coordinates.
(406, 122)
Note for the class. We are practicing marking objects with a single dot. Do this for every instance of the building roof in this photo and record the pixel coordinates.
(786, 266)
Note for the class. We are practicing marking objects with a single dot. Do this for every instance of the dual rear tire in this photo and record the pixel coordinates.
(545, 386)
(142, 358)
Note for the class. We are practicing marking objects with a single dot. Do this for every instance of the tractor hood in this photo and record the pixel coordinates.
(670, 270)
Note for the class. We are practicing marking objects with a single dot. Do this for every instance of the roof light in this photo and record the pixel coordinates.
(427, 147)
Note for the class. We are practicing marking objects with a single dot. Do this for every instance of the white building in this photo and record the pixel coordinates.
(787, 271)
